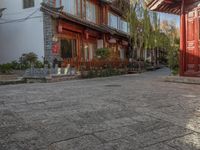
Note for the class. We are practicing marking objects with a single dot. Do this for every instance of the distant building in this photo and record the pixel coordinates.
(21, 29)
(65, 30)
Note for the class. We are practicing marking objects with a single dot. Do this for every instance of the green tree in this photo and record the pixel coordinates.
(28, 58)
(172, 32)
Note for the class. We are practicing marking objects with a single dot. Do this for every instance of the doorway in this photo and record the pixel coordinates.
(68, 48)
(89, 51)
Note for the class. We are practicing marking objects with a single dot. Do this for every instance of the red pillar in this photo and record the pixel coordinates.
(182, 40)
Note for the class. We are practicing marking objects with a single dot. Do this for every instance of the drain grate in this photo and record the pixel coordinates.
(113, 85)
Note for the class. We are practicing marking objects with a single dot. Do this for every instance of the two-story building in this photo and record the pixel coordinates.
(75, 29)
(63, 30)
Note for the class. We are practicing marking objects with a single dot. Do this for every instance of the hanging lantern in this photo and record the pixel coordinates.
(86, 35)
(124, 43)
(60, 28)
(112, 41)
(55, 48)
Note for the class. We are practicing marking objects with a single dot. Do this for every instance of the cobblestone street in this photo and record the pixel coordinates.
(131, 112)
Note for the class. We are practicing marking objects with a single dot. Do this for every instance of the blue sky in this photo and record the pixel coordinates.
(164, 16)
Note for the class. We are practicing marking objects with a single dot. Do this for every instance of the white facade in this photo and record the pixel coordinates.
(21, 30)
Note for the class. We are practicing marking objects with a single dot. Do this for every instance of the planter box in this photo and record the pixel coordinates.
(8, 77)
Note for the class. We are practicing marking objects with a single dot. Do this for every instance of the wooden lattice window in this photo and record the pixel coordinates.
(199, 27)
(199, 22)
(190, 26)
(190, 30)
(191, 14)
(28, 3)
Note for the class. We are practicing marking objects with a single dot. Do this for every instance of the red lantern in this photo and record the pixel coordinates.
(87, 35)
(60, 28)
(55, 48)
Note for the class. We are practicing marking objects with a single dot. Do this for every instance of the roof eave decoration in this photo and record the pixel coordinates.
(166, 6)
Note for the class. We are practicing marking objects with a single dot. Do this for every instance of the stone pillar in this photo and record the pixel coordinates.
(49, 30)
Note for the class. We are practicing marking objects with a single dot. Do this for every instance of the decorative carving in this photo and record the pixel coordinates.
(190, 67)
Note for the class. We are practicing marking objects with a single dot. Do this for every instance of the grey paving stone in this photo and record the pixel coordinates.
(24, 135)
(158, 147)
(142, 113)
(100, 147)
(155, 136)
(172, 132)
(144, 140)
(143, 118)
(147, 126)
(59, 132)
(114, 134)
(188, 142)
(123, 144)
(91, 128)
(84, 142)
(120, 122)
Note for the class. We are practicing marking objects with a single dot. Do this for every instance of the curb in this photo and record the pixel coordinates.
(11, 82)
(186, 80)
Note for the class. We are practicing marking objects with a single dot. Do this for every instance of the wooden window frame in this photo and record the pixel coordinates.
(96, 11)
(54, 2)
(118, 20)
(198, 20)
(31, 4)
(77, 7)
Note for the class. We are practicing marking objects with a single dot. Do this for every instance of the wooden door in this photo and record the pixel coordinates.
(191, 43)
(198, 37)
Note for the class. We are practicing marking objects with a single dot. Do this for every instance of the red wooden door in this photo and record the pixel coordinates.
(191, 43)
(198, 37)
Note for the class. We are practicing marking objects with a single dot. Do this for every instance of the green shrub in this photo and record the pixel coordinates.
(24, 63)
(6, 68)
(16, 65)
(173, 61)
(102, 53)
(29, 58)
(102, 73)
(38, 64)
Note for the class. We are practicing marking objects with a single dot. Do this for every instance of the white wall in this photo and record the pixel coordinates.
(18, 37)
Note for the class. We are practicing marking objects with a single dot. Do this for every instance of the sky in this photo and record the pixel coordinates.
(169, 17)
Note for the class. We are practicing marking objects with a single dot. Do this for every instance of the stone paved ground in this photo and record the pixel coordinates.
(134, 112)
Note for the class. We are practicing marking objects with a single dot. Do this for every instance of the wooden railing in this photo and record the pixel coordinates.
(95, 64)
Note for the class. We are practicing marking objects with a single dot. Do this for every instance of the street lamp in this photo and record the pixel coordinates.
(1, 11)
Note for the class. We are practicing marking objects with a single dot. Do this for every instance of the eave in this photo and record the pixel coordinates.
(166, 6)
(55, 13)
